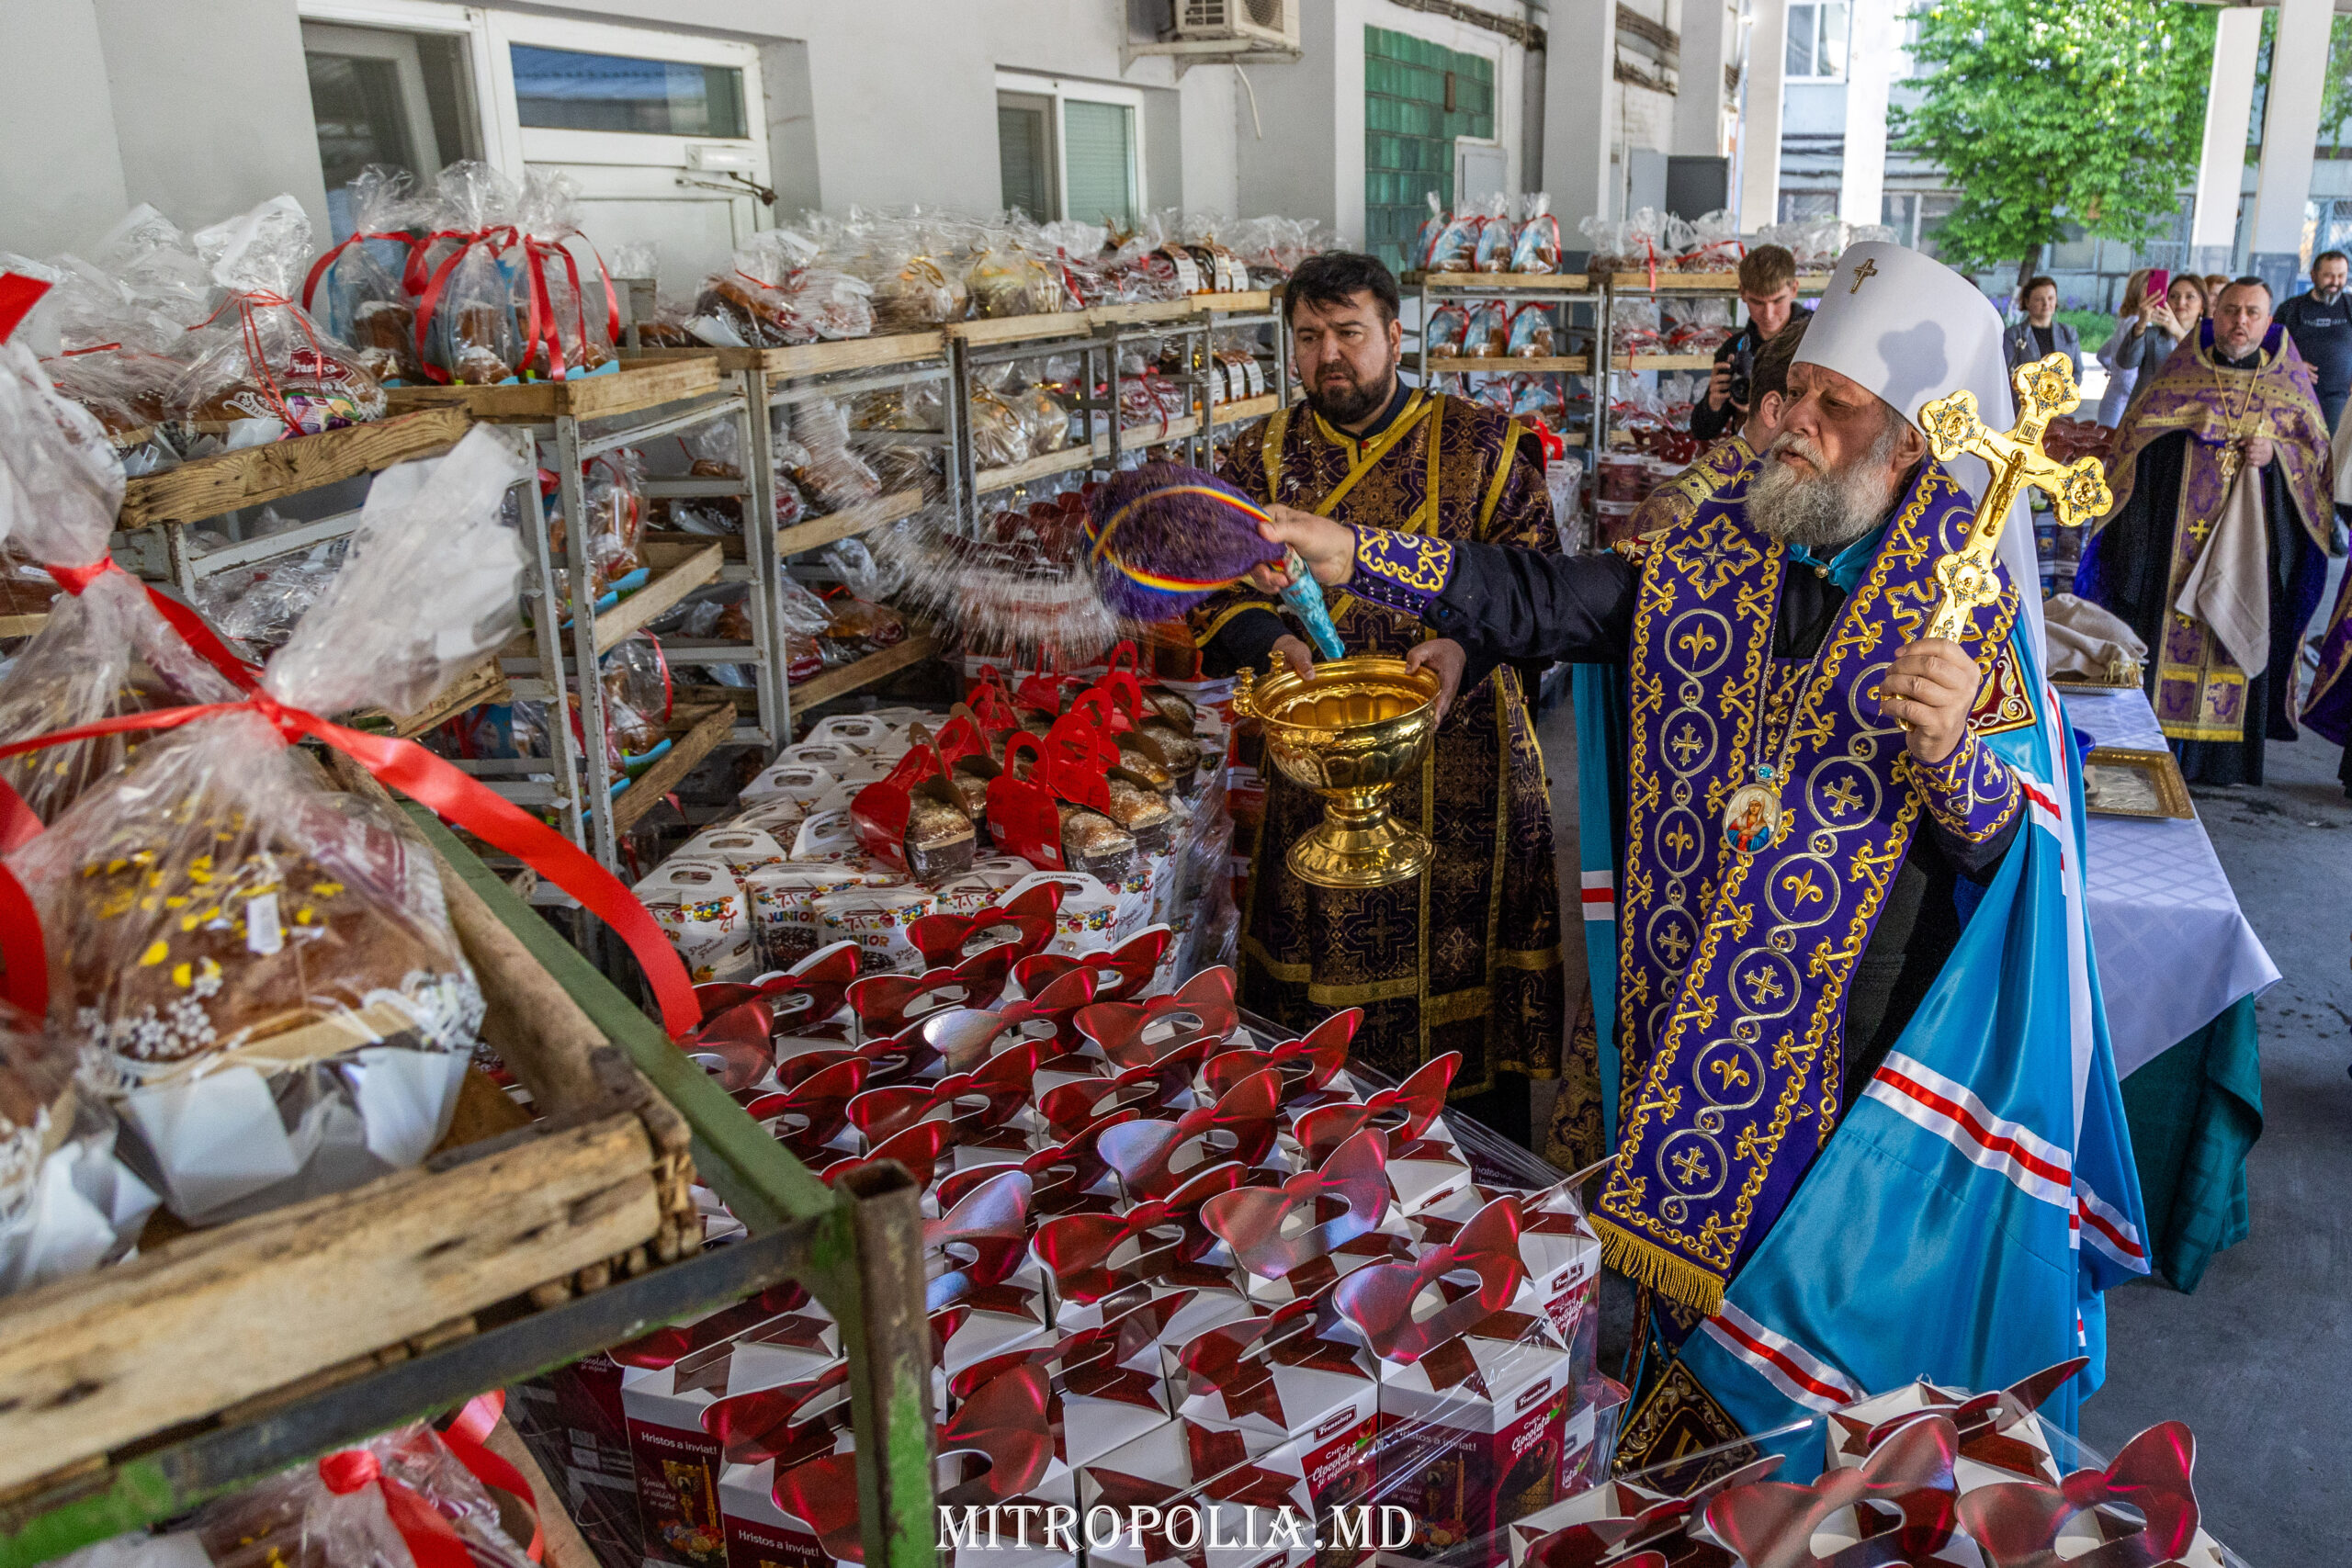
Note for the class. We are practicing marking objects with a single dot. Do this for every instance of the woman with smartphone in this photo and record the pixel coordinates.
(2168, 317)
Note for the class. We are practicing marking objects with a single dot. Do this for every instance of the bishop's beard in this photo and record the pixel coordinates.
(1826, 508)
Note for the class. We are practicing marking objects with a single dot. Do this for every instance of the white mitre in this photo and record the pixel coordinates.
(1912, 330)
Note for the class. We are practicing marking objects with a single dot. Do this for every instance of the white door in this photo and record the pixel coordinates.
(665, 132)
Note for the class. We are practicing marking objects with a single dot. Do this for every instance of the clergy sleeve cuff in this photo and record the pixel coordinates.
(1400, 572)
(1972, 794)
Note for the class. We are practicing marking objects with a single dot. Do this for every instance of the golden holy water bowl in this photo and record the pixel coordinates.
(1348, 732)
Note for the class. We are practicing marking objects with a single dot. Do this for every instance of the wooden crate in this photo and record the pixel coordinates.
(255, 476)
(640, 386)
(217, 1325)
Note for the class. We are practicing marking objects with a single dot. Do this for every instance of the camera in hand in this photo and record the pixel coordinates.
(1742, 366)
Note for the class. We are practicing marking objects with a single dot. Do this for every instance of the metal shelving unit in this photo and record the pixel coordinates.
(582, 420)
(1097, 335)
(1668, 285)
(1563, 293)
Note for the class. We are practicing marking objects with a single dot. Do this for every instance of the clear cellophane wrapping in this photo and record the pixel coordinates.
(470, 335)
(104, 651)
(261, 970)
(363, 299)
(782, 288)
(612, 503)
(577, 308)
(297, 1520)
(262, 358)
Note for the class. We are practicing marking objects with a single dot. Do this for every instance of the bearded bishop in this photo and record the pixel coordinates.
(1862, 1095)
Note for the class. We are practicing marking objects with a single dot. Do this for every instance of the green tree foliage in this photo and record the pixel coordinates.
(2047, 113)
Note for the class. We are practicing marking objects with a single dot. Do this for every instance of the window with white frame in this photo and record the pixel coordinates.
(1817, 41)
(1071, 149)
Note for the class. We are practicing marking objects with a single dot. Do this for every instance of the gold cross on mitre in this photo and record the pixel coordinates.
(1863, 274)
(2078, 491)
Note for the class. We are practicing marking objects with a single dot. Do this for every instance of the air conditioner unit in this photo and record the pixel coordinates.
(1253, 25)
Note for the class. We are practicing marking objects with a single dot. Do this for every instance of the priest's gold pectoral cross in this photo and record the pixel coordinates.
(2078, 491)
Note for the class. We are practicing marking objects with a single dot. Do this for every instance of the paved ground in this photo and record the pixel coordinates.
(2258, 1359)
(2248, 1360)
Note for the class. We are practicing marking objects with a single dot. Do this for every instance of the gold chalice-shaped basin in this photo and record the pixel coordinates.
(1348, 732)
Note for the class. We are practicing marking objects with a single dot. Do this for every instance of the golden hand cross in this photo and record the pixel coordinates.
(2078, 491)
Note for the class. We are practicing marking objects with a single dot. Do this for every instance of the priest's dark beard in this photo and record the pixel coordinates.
(1351, 402)
(1824, 510)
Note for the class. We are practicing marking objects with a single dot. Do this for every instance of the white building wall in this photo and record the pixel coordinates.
(59, 160)
(205, 110)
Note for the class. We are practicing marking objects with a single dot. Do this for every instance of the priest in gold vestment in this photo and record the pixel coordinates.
(1468, 958)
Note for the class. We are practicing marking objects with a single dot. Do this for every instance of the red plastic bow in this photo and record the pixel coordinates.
(1026, 924)
(1901, 1499)
(1379, 1299)
(975, 1101)
(978, 1241)
(1984, 1422)
(787, 1424)
(1062, 1172)
(1240, 1125)
(1079, 1249)
(2018, 1522)
(1404, 1112)
(1257, 1222)
(1305, 1063)
(888, 1003)
(1135, 1034)
(1120, 975)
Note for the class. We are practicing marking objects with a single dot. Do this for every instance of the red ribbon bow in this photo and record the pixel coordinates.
(2018, 1522)
(1380, 1298)
(405, 766)
(18, 826)
(1255, 1222)
(1077, 1249)
(1404, 1112)
(1901, 1499)
(432, 1540)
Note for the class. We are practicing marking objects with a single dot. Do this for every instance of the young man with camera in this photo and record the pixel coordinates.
(1768, 286)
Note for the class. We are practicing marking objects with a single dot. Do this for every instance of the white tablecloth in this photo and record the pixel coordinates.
(2174, 948)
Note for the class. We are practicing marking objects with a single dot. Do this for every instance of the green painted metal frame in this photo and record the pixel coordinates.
(858, 1248)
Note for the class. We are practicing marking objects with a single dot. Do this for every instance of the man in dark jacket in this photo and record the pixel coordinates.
(2042, 334)
(2321, 323)
(1768, 286)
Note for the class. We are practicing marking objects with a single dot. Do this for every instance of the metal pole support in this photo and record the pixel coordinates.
(889, 1370)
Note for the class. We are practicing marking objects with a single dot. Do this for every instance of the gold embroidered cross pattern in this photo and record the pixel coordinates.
(2078, 491)
(1862, 273)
